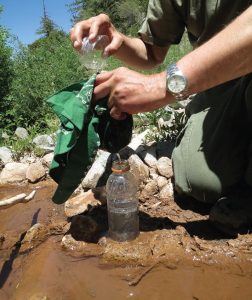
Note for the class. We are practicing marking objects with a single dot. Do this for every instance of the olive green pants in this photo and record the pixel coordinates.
(213, 154)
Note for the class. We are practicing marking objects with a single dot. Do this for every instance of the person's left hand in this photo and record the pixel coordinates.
(131, 92)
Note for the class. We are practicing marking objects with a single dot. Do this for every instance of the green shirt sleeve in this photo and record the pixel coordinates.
(163, 24)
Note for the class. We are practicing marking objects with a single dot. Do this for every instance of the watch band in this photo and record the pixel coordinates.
(173, 70)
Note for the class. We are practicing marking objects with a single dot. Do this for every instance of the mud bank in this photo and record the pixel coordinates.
(178, 254)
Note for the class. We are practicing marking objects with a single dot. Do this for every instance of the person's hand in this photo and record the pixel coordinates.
(131, 92)
(94, 26)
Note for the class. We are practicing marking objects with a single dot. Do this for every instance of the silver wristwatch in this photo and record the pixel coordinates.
(176, 82)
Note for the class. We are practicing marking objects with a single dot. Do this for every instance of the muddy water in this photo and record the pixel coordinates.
(48, 272)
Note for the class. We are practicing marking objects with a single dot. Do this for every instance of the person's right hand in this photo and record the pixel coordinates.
(94, 26)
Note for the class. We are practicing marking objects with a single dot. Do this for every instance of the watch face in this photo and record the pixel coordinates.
(176, 84)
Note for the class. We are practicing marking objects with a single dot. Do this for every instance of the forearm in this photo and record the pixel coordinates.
(135, 53)
(226, 56)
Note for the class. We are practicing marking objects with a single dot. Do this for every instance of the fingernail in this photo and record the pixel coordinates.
(76, 44)
(91, 36)
(105, 54)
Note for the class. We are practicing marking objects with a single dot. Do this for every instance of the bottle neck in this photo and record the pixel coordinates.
(120, 167)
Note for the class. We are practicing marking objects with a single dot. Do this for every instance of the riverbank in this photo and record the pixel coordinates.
(178, 253)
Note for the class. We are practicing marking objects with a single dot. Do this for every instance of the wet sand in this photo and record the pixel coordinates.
(178, 265)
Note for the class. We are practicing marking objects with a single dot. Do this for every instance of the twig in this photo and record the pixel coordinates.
(135, 281)
(29, 197)
(21, 198)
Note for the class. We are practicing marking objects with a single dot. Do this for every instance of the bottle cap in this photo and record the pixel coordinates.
(120, 166)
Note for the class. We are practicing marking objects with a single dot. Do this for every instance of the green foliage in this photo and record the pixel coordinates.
(131, 14)
(39, 71)
(47, 25)
(164, 123)
(126, 15)
(85, 9)
(6, 72)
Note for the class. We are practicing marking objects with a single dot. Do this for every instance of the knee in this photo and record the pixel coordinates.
(196, 182)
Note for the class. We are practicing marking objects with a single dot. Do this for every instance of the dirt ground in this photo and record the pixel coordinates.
(178, 254)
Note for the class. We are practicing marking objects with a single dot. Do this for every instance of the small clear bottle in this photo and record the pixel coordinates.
(92, 54)
(122, 203)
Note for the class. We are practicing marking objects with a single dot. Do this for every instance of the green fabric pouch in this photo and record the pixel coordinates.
(85, 127)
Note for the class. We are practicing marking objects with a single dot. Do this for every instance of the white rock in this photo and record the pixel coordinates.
(167, 191)
(5, 135)
(35, 172)
(161, 182)
(80, 203)
(69, 243)
(164, 166)
(153, 174)
(28, 159)
(96, 171)
(22, 133)
(139, 169)
(47, 159)
(13, 172)
(150, 189)
(5, 155)
(44, 142)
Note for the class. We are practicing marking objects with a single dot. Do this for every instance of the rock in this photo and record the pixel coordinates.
(28, 159)
(21, 133)
(96, 171)
(69, 243)
(129, 252)
(44, 142)
(100, 194)
(47, 159)
(13, 172)
(164, 166)
(84, 228)
(35, 172)
(161, 182)
(5, 135)
(149, 190)
(34, 237)
(2, 239)
(149, 156)
(153, 174)
(80, 203)
(5, 155)
(139, 169)
(167, 191)
(59, 227)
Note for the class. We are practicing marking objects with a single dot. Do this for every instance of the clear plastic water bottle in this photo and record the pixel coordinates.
(92, 54)
(122, 203)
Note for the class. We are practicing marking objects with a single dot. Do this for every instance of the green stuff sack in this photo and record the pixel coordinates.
(85, 127)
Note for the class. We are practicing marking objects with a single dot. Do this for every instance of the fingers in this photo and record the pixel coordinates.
(77, 33)
(94, 29)
(113, 46)
(103, 85)
(102, 77)
(116, 114)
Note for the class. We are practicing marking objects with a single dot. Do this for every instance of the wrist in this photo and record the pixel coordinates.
(177, 82)
(158, 86)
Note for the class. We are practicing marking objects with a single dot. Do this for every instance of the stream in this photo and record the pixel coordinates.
(49, 272)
